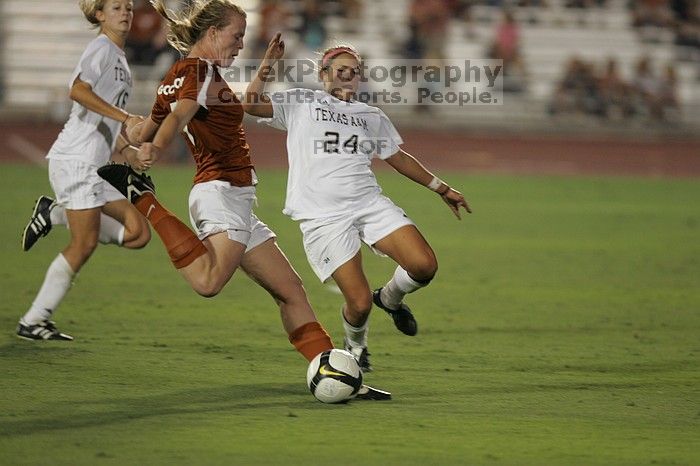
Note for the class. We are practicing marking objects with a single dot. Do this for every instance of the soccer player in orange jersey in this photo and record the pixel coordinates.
(229, 235)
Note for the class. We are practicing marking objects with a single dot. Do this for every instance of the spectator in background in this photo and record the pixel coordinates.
(615, 93)
(274, 18)
(651, 13)
(140, 46)
(312, 32)
(668, 92)
(577, 91)
(351, 11)
(656, 95)
(428, 23)
(506, 47)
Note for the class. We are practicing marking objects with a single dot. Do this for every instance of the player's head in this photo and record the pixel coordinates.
(340, 71)
(216, 26)
(109, 15)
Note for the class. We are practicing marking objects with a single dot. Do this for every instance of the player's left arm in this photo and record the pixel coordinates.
(408, 166)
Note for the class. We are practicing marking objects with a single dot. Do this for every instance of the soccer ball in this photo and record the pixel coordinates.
(334, 376)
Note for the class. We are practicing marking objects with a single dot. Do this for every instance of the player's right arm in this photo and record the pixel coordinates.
(173, 124)
(255, 102)
(82, 93)
(142, 131)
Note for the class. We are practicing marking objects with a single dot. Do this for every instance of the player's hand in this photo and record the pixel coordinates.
(454, 199)
(133, 127)
(275, 50)
(145, 156)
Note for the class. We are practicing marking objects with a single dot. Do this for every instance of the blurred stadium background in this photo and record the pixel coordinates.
(621, 78)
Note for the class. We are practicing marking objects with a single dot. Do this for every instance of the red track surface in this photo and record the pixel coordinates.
(465, 152)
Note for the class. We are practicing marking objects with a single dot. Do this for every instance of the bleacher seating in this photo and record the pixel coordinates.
(42, 44)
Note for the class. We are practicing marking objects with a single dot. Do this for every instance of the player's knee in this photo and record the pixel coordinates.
(136, 234)
(140, 240)
(292, 293)
(359, 303)
(207, 288)
(424, 269)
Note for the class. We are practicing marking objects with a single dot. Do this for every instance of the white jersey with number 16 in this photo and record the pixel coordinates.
(88, 136)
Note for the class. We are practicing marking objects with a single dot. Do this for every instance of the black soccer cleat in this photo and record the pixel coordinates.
(361, 355)
(132, 185)
(44, 330)
(40, 223)
(368, 393)
(403, 318)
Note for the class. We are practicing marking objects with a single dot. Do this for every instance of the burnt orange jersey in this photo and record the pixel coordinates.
(214, 135)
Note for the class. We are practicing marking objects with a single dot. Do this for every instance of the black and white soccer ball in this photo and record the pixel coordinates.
(334, 376)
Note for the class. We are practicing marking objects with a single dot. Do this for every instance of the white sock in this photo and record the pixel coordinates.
(355, 336)
(111, 231)
(399, 286)
(58, 215)
(58, 280)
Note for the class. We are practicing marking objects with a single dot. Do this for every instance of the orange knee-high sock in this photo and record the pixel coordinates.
(310, 339)
(182, 244)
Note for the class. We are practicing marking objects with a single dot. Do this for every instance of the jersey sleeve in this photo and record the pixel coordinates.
(284, 104)
(159, 112)
(92, 64)
(388, 139)
(190, 87)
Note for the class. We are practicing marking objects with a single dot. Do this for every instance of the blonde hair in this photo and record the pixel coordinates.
(90, 9)
(186, 28)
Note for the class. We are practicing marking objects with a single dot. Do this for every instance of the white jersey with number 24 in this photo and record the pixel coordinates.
(330, 146)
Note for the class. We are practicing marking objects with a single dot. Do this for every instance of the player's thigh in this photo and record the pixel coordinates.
(267, 265)
(329, 243)
(408, 248)
(84, 227)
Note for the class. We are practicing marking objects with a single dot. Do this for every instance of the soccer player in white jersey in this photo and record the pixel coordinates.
(332, 192)
(93, 210)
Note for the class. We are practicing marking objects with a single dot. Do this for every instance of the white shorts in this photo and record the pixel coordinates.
(330, 242)
(78, 186)
(217, 206)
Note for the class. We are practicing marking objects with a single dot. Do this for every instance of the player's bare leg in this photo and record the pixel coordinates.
(36, 323)
(209, 272)
(417, 267)
(267, 265)
(136, 233)
(353, 283)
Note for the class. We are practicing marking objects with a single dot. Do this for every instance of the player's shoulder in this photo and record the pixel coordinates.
(102, 44)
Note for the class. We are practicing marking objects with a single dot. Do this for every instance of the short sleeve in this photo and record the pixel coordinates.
(187, 85)
(92, 63)
(158, 113)
(284, 104)
(389, 139)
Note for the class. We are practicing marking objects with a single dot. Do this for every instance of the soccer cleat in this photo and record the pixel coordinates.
(368, 393)
(40, 223)
(403, 318)
(44, 330)
(131, 184)
(361, 355)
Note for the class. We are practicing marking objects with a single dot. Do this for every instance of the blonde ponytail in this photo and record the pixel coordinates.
(186, 28)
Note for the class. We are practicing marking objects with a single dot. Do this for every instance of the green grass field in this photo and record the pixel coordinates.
(563, 328)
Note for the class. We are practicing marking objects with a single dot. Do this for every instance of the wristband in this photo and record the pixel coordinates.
(127, 118)
(435, 184)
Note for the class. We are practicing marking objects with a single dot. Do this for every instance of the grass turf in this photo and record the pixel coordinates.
(562, 329)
